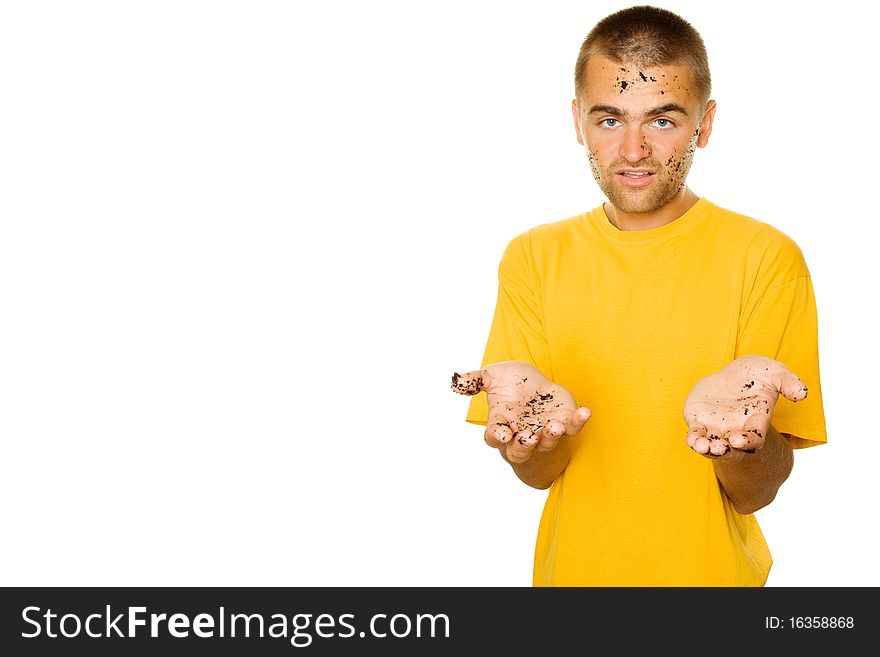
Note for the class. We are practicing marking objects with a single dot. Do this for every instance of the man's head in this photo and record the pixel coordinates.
(642, 89)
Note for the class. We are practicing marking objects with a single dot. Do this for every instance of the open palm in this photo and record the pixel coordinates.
(730, 411)
(526, 410)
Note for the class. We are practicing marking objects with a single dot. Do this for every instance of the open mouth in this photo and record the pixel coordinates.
(633, 179)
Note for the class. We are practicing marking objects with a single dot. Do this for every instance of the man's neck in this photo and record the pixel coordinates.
(682, 202)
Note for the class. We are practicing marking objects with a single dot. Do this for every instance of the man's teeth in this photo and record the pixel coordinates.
(635, 175)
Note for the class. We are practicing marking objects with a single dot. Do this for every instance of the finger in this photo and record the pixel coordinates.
(549, 435)
(576, 421)
(717, 445)
(755, 429)
(746, 441)
(792, 388)
(701, 440)
(788, 385)
(470, 383)
(497, 434)
(520, 448)
(701, 445)
(693, 435)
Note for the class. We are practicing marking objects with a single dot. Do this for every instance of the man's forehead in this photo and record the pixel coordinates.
(607, 79)
(600, 64)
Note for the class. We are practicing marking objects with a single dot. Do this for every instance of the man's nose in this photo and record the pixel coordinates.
(634, 146)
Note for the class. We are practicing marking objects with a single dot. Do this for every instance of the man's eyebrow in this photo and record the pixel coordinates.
(614, 111)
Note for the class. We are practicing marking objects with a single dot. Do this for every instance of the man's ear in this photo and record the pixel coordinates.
(706, 124)
(577, 123)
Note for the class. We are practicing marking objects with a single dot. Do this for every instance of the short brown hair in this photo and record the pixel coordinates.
(647, 36)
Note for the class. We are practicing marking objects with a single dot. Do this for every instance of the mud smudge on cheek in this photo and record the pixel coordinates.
(594, 166)
(674, 163)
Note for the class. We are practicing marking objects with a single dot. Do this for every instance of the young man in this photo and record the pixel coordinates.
(677, 322)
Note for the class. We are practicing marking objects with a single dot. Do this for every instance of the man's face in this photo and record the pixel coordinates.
(640, 119)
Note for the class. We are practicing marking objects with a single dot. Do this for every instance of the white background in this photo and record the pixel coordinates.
(244, 245)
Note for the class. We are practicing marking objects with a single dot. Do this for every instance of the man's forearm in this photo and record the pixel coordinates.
(542, 468)
(751, 483)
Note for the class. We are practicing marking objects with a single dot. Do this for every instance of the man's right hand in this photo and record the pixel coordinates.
(527, 411)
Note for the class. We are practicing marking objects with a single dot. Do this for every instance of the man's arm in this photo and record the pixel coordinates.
(752, 481)
(728, 414)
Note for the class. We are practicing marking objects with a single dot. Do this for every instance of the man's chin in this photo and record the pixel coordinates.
(634, 201)
(629, 207)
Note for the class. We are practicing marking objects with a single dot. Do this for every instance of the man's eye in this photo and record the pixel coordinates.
(666, 123)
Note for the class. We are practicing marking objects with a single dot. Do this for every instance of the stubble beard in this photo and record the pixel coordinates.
(633, 200)
(636, 201)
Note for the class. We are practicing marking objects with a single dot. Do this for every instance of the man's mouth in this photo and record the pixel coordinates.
(636, 178)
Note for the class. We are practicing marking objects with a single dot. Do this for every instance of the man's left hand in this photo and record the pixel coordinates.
(728, 413)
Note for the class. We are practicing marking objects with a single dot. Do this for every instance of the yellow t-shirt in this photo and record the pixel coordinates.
(629, 321)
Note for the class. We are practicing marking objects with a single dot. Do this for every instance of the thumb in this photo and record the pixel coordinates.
(470, 383)
(577, 420)
(788, 385)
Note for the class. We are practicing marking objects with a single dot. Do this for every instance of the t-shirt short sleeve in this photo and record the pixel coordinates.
(517, 331)
(781, 323)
